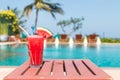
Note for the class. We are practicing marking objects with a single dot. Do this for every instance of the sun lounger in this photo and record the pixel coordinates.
(64, 38)
(59, 70)
(92, 38)
(50, 40)
(78, 39)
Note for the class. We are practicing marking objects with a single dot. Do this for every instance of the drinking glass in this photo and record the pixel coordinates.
(35, 47)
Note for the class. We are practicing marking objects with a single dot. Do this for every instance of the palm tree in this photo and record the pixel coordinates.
(41, 5)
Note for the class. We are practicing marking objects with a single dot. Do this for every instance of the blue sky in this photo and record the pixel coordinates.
(101, 16)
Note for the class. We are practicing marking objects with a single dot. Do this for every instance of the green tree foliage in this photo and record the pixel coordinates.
(14, 28)
(7, 17)
(63, 24)
(110, 40)
(76, 23)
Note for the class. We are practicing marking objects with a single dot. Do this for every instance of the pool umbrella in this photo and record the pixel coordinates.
(44, 32)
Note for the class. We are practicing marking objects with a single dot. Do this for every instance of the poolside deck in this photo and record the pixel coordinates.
(113, 72)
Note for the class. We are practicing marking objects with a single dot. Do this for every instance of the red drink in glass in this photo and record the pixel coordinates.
(35, 47)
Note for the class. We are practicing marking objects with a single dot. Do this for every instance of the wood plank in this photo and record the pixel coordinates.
(71, 72)
(82, 69)
(30, 73)
(58, 69)
(100, 74)
(16, 74)
(46, 69)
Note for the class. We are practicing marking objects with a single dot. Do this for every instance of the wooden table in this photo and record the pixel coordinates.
(59, 70)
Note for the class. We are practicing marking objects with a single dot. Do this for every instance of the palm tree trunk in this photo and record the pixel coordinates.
(36, 20)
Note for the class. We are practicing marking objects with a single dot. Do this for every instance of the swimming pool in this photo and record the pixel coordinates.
(106, 55)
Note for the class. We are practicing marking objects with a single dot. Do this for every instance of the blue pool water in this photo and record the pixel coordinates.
(103, 56)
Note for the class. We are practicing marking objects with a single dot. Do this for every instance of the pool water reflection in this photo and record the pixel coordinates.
(103, 56)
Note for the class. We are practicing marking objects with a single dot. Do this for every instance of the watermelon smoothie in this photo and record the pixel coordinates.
(35, 47)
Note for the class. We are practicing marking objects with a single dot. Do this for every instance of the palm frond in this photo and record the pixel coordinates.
(53, 15)
(27, 9)
(22, 22)
(8, 7)
(38, 1)
(16, 11)
(55, 7)
(46, 7)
